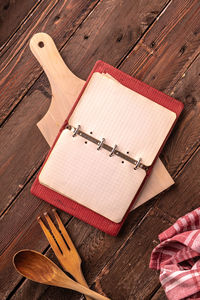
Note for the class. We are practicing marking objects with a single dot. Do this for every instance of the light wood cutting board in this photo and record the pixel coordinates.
(65, 88)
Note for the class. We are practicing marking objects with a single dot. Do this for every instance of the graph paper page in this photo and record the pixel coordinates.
(123, 117)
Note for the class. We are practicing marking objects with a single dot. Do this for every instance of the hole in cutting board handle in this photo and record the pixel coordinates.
(41, 44)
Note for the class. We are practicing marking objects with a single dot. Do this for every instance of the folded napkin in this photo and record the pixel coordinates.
(178, 258)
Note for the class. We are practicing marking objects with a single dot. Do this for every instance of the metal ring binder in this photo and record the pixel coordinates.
(112, 150)
(100, 144)
(76, 130)
(137, 164)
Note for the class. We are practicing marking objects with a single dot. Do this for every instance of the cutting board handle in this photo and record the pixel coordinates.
(45, 51)
(65, 86)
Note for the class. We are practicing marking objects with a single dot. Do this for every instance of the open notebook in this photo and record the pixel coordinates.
(107, 147)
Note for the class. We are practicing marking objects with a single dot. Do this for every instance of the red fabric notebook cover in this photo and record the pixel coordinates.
(78, 210)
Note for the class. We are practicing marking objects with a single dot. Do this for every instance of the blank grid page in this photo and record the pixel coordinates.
(90, 177)
(123, 117)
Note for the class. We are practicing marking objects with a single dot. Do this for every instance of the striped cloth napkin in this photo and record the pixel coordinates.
(178, 258)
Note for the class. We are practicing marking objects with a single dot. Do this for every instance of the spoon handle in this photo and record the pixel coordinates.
(80, 279)
(91, 293)
(84, 290)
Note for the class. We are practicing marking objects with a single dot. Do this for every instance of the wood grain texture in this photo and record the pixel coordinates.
(110, 32)
(165, 52)
(134, 280)
(184, 195)
(12, 14)
(186, 136)
(159, 295)
(167, 35)
(23, 233)
(23, 147)
(19, 70)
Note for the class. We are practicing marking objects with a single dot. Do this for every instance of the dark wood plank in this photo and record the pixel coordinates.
(19, 230)
(12, 14)
(110, 32)
(165, 52)
(19, 68)
(127, 275)
(184, 195)
(23, 232)
(186, 136)
(159, 295)
(9, 46)
(158, 58)
(23, 147)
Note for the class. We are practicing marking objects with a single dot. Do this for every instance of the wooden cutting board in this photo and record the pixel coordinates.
(65, 87)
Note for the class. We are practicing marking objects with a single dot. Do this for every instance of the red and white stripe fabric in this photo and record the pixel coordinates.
(178, 258)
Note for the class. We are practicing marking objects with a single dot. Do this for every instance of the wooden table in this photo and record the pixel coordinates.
(155, 41)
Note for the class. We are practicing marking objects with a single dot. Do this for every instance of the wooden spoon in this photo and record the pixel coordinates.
(39, 268)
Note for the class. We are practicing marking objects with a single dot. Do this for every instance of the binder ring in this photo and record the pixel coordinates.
(137, 164)
(113, 151)
(100, 144)
(76, 131)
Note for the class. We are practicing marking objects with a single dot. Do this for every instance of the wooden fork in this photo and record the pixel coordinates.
(67, 254)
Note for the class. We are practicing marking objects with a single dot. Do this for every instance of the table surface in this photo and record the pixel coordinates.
(155, 41)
